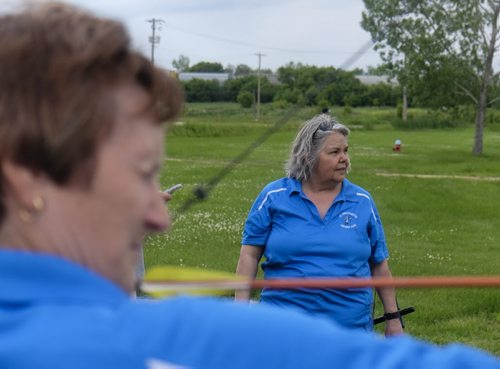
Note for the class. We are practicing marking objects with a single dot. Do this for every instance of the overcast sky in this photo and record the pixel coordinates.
(313, 32)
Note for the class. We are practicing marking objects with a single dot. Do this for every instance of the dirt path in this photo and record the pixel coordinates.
(440, 176)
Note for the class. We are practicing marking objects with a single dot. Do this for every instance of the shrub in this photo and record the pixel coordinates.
(245, 99)
(280, 104)
(431, 119)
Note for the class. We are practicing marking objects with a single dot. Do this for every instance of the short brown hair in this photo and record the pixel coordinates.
(57, 65)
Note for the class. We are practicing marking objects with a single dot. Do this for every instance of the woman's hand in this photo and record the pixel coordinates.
(387, 295)
(393, 327)
(166, 196)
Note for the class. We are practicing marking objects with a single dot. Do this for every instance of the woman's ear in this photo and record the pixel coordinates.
(21, 185)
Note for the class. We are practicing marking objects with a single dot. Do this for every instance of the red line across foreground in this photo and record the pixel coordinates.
(401, 282)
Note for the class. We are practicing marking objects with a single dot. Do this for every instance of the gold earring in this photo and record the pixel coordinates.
(38, 204)
(26, 215)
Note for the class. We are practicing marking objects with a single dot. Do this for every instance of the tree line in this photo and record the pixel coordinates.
(293, 83)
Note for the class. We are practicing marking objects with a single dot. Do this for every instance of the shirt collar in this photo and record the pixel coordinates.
(347, 193)
(28, 276)
(295, 186)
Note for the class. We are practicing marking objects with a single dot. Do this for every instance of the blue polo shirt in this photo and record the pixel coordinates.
(55, 314)
(299, 243)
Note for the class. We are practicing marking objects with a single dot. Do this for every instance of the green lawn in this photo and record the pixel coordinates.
(448, 224)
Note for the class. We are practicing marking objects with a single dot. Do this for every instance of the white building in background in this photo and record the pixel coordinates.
(273, 78)
(373, 80)
(219, 77)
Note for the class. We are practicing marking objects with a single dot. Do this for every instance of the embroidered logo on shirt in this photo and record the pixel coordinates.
(348, 220)
(159, 364)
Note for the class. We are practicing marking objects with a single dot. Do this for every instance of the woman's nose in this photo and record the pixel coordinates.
(158, 218)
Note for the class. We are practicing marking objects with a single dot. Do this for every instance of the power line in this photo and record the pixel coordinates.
(244, 43)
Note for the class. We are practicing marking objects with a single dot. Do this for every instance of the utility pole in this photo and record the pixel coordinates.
(404, 113)
(260, 55)
(153, 39)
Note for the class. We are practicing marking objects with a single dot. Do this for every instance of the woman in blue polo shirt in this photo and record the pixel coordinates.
(315, 223)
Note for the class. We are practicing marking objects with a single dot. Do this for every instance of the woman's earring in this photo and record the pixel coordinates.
(26, 215)
(38, 204)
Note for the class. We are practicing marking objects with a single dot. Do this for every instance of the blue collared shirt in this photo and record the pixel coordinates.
(299, 243)
(55, 314)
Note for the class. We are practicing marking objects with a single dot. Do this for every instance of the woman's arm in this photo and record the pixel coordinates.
(387, 296)
(247, 266)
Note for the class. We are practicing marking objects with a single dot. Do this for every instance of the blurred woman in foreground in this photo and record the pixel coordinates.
(81, 143)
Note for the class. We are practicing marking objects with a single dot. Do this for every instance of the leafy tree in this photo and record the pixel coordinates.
(267, 90)
(381, 94)
(357, 71)
(234, 86)
(181, 64)
(311, 95)
(287, 74)
(207, 67)
(311, 84)
(379, 70)
(249, 84)
(198, 90)
(242, 70)
(440, 46)
(292, 96)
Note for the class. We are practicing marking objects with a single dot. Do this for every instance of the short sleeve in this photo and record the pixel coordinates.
(379, 251)
(258, 224)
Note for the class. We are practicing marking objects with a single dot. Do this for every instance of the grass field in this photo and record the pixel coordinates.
(439, 204)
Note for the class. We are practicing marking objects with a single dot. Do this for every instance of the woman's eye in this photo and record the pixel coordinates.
(149, 174)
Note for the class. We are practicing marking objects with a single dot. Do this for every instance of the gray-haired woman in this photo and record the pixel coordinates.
(316, 223)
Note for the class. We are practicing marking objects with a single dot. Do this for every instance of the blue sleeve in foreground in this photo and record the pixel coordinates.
(212, 334)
